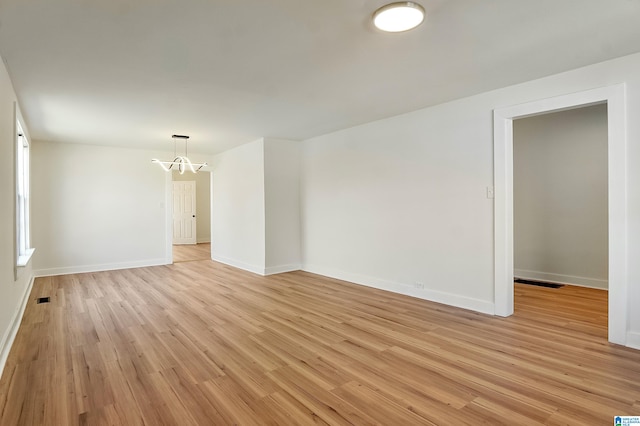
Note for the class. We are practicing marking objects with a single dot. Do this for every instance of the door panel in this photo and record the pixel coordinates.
(184, 212)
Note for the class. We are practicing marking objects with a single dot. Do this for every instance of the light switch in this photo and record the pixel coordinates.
(490, 192)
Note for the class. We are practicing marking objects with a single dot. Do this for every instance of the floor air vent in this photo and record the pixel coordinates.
(538, 283)
(43, 300)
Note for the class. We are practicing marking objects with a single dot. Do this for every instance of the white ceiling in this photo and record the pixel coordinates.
(226, 72)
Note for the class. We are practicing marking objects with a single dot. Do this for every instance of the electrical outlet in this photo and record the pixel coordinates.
(420, 286)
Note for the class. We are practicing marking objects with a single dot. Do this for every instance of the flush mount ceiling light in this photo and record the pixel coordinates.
(181, 162)
(398, 17)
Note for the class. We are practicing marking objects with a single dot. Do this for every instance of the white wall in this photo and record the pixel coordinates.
(238, 220)
(403, 200)
(96, 208)
(560, 197)
(203, 202)
(400, 204)
(256, 206)
(282, 205)
(15, 285)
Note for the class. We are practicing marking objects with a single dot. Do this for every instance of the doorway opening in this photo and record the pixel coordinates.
(614, 97)
(560, 197)
(189, 216)
(560, 217)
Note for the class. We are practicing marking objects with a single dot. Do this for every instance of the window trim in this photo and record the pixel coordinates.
(24, 251)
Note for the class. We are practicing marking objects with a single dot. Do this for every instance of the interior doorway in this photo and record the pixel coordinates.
(560, 218)
(614, 97)
(560, 197)
(190, 210)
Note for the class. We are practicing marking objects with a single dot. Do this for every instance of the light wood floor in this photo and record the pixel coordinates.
(191, 252)
(200, 343)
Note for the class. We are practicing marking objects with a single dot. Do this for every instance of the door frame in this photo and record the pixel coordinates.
(168, 217)
(614, 97)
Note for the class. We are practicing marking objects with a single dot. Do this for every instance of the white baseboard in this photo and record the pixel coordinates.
(561, 279)
(99, 268)
(14, 325)
(255, 268)
(450, 299)
(238, 264)
(271, 270)
(203, 240)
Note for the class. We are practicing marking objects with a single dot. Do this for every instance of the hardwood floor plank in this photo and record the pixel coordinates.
(415, 400)
(191, 252)
(192, 397)
(200, 343)
(478, 382)
(125, 400)
(329, 406)
(230, 401)
(383, 410)
(286, 410)
(244, 348)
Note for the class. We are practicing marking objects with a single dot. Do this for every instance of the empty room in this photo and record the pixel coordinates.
(289, 212)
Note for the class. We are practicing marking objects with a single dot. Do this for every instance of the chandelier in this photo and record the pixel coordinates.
(181, 162)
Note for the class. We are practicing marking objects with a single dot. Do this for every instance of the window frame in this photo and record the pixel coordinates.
(24, 251)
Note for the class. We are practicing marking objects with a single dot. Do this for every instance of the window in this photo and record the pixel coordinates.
(24, 250)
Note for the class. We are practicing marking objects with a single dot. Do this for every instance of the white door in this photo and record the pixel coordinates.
(184, 212)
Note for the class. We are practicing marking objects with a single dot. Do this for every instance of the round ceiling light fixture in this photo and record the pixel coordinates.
(398, 17)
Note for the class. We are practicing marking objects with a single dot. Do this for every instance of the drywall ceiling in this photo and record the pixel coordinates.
(226, 72)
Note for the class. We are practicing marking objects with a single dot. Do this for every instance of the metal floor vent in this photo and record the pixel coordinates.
(43, 300)
(538, 283)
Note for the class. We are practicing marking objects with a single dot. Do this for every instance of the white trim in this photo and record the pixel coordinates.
(24, 259)
(168, 218)
(561, 279)
(81, 269)
(633, 340)
(271, 270)
(23, 250)
(239, 264)
(614, 96)
(451, 299)
(211, 212)
(14, 325)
